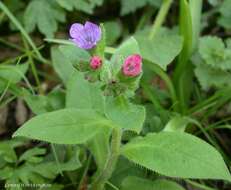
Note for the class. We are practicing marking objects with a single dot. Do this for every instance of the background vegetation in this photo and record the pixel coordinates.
(187, 88)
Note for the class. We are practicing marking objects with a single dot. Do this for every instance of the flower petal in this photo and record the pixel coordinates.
(93, 31)
(82, 43)
(76, 30)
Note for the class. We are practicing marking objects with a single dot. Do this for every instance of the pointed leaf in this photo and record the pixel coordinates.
(67, 126)
(177, 155)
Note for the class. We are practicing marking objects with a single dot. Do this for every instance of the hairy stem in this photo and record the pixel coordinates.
(99, 183)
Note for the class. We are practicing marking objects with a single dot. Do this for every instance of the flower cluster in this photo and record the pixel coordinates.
(86, 36)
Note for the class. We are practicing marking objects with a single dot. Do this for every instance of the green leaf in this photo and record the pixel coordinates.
(177, 155)
(82, 5)
(123, 169)
(37, 103)
(41, 104)
(100, 48)
(228, 43)
(225, 11)
(210, 77)
(68, 5)
(213, 2)
(130, 6)
(82, 94)
(67, 126)
(62, 65)
(6, 173)
(213, 62)
(124, 114)
(45, 15)
(13, 73)
(7, 152)
(88, 6)
(38, 173)
(50, 170)
(214, 53)
(113, 31)
(136, 183)
(33, 155)
(162, 49)
(74, 54)
(127, 48)
(178, 123)
(56, 99)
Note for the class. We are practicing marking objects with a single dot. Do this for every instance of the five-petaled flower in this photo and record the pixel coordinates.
(132, 65)
(95, 62)
(85, 36)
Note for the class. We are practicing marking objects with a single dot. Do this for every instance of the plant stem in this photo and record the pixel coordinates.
(145, 18)
(84, 172)
(160, 17)
(33, 68)
(110, 50)
(99, 183)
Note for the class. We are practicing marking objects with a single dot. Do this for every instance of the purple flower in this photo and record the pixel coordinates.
(85, 36)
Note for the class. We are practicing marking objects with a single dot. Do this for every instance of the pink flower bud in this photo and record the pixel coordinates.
(132, 65)
(95, 62)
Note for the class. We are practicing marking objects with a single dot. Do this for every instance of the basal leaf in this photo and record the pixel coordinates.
(214, 53)
(177, 155)
(210, 77)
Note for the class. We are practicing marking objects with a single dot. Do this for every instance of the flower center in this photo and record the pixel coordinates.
(89, 39)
